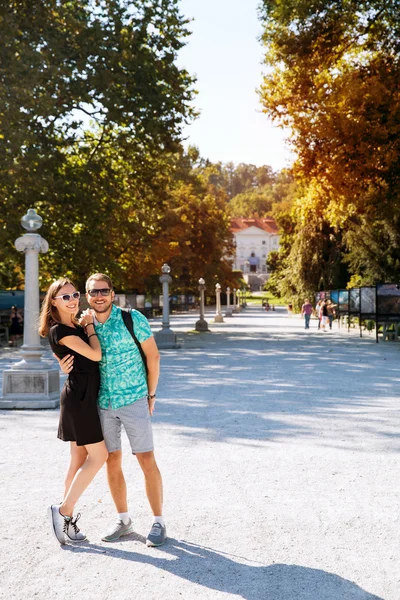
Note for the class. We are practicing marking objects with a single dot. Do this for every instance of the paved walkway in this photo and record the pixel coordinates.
(279, 449)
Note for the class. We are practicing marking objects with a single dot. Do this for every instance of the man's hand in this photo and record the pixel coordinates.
(66, 364)
(152, 402)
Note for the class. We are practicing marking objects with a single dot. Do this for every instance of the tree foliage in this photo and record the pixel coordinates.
(333, 78)
(92, 105)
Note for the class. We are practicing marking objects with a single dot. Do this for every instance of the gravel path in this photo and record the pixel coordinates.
(279, 449)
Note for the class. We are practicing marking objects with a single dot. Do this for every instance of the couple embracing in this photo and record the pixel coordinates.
(113, 367)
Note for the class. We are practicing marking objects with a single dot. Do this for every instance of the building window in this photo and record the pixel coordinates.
(264, 242)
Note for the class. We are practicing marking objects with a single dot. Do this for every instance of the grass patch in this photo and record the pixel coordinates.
(251, 299)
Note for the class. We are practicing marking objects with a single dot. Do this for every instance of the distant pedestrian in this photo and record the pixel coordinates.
(16, 326)
(306, 311)
(324, 315)
(318, 312)
(290, 309)
(331, 312)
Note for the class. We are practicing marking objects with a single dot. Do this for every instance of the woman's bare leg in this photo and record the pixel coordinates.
(96, 457)
(78, 457)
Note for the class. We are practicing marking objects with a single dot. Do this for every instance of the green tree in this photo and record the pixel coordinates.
(92, 106)
(333, 79)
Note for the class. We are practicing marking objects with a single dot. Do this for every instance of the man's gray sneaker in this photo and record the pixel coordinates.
(157, 535)
(118, 530)
(72, 532)
(59, 523)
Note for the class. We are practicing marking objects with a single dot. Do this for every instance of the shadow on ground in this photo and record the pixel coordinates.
(219, 571)
(263, 387)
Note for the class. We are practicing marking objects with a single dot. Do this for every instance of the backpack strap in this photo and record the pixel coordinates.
(128, 321)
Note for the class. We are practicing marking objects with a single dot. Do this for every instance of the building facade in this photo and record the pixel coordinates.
(254, 240)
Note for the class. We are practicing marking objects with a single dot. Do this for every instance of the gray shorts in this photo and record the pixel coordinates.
(136, 421)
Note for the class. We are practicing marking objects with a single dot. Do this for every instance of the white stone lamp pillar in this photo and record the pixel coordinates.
(218, 313)
(31, 382)
(238, 305)
(201, 324)
(234, 303)
(166, 338)
(228, 312)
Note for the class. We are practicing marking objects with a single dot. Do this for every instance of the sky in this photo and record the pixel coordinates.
(225, 55)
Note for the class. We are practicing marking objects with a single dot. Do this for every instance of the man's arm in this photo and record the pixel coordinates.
(153, 365)
(66, 364)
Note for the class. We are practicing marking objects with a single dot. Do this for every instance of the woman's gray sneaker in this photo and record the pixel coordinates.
(73, 533)
(59, 523)
(157, 535)
(118, 530)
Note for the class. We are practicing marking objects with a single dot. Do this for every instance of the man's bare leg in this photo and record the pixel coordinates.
(154, 491)
(153, 481)
(117, 484)
(116, 481)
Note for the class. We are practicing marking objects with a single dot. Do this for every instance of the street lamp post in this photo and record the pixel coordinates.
(166, 338)
(238, 305)
(234, 303)
(228, 312)
(31, 382)
(244, 303)
(218, 313)
(201, 324)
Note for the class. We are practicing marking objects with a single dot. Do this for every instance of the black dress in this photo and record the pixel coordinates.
(79, 419)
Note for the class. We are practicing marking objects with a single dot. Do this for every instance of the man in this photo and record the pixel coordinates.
(127, 397)
(306, 310)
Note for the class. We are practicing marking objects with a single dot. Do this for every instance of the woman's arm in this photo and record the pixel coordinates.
(92, 351)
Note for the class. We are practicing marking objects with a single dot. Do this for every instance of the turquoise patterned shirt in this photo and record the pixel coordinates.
(122, 373)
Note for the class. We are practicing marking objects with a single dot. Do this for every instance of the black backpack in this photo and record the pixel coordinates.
(128, 321)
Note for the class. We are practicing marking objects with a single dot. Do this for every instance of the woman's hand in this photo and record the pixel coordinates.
(87, 318)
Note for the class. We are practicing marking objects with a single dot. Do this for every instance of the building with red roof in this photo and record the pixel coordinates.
(254, 240)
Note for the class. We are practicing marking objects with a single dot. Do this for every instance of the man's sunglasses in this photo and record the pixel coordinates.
(68, 297)
(103, 292)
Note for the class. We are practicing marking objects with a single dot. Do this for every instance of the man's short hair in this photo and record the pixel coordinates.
(99, 277)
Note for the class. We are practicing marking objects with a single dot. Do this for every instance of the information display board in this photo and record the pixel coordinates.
(334, 296)
(343, 302)
(354, 301)
(388, 300)
(368, 301)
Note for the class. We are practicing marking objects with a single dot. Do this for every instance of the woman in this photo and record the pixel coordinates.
(15, 327)
(79, 421)
(324, 315)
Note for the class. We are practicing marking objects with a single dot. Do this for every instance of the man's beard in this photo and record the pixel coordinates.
(102, 309)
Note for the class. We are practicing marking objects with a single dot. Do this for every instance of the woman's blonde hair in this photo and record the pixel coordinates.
(49, 313)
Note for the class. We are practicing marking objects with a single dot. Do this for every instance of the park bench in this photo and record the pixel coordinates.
(389, 330)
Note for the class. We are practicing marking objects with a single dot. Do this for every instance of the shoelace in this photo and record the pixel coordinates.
(73, 523)
(156, 529)
(67, 521)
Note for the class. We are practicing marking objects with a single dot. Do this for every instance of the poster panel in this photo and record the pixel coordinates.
(343, 304)
(388, 295)
(334, 296)
(354, 301)
(368, 301)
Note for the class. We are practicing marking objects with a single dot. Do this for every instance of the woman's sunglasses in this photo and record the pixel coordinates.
(68, 297)
(103, 292)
